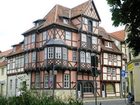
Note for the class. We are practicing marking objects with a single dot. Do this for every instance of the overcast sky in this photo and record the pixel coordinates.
(16, 16)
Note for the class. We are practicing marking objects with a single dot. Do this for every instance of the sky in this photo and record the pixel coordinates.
(17, 16)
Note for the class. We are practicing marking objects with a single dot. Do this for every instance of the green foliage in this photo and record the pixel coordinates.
(28, 98)
(127, 12)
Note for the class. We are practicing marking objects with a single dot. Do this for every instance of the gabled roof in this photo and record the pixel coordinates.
(5, 53)
(53, 17)
(107, 37)
(104, 34)
(119, 35)
(81, 9)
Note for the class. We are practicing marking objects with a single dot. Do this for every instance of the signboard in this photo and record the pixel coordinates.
(130, 66)
(123, 73)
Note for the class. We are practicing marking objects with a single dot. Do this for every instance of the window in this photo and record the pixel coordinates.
(33, 56)
(66, 80)
(65, 21)
(88, 87)
(113, 72)
(89, 42)
(84, 39)
(82, 54)
(115, 58)
(17, 62)
(50, 52)
(68, 35)
(90, 26)
(88, 57)
(26, 40)
(26, 58)
(11, 64)
(22, 61)
(2, 71)
(46, 81)
(74, 56)
(109, 71)
(85, 20)
(58, 52)
(45, 53)
(11, 84)
(45, 36)
(33, 38)
(64, 53)
(110, 88)
(110, 57)
(94, 40)
(37, 80)
(108, 44)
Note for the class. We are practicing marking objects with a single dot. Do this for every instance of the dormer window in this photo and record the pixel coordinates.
(65, 21)
(108, 44)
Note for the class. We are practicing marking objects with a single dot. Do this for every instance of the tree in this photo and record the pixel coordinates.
(127, 12)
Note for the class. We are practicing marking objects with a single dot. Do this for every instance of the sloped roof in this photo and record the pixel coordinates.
(107, 37)
(60, 11)
(4, 63)
(5, 53)
(104, 34)
(119, 35)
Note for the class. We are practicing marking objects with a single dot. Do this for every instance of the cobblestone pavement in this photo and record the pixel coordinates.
(107, 102)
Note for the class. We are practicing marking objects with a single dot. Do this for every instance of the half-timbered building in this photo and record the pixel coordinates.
(111, 66)
(16, 77)
(58, 51)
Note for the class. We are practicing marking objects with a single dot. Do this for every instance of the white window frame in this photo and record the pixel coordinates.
(94, 40)
(82, 56)
(65, 55)
(58, 53)
(50, 52)
(84, 38)
(66, 80)
(68, 35)
(88, 57)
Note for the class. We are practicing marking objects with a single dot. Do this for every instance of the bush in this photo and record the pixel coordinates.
(28, 98)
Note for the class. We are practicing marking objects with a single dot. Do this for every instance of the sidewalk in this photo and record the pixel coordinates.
(103, 99)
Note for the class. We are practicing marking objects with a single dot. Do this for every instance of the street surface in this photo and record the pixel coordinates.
(106, 102)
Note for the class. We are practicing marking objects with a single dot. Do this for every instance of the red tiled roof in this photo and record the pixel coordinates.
(53, 17)
(107, 37)
(119, 35)
(5, 53)
(3, 63)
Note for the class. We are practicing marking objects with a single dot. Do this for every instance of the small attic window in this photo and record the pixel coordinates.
(38, 22)
(65, 21)
(108, 44)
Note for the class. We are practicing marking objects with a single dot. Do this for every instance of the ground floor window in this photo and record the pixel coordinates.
(110, 88)
(88, 87)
